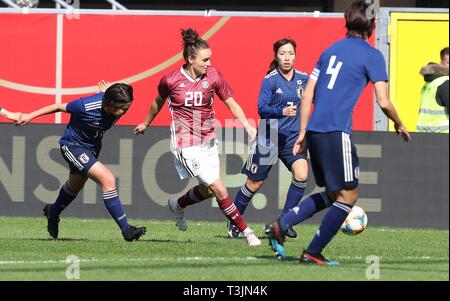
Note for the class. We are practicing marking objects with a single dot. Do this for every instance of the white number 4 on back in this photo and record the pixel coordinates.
(334, 71)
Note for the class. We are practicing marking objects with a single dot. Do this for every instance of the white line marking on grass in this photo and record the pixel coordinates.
(410, 230)
(165, 259)
(407, 257)
(350, 257)
(426, 258)
(196, 258)
(12, 262)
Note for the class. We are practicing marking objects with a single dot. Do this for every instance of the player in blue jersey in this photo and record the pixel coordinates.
(279, 98)
(10, 115)
(342, 72)
(80, 146)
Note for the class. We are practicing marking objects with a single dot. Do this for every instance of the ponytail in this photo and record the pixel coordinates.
(273, 66)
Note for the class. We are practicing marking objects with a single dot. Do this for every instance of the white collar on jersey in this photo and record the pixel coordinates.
(188, 76)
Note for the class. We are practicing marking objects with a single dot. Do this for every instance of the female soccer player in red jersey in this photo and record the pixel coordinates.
(190, 92)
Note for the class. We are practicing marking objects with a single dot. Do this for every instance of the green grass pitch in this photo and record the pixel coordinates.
(204, 253)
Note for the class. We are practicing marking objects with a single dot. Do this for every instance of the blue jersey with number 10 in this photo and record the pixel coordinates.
(342, 73)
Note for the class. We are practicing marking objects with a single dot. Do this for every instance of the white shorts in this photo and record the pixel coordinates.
(199, 161)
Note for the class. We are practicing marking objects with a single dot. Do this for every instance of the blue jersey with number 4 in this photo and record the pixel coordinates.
(88, 122)
(342, 73)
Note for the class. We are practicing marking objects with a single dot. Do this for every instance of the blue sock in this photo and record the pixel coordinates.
(331, 224)
(114, 206)
(305, 209)
(294, 195)
(243, 198)
(65, 197)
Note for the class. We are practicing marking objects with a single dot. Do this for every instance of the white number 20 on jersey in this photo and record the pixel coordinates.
(196, 97)
(334, 71)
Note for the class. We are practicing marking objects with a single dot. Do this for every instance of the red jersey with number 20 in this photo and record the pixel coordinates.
(190, 103)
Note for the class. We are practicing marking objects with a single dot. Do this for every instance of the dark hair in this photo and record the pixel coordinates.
(118, 94)
(444, 52)
(276, 46)
(357, 20)
(192, 43)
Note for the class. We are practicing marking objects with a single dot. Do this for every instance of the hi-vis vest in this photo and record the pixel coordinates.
(432, 117)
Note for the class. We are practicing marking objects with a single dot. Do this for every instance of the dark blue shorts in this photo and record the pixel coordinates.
(261, 159)
(80, 159)
(334, 160)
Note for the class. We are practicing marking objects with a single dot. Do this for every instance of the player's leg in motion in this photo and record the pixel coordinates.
(245, 194)
(67, 194)
(107, 181)
(335, 164)
(229, 209)
(304, 210)
(242, 200)
(297, 188)
(331, 223)
(193, 196)
(256, 173)
(296, 191)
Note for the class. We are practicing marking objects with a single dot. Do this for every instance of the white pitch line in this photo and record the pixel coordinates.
(12, 262)
(19, 262)
(196, 258)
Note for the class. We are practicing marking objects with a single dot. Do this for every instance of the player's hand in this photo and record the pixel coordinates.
(23, 119)
(300, 144)
(401, 130)
(103, 85)
(290, 111)
(252, 132)
(140, 129)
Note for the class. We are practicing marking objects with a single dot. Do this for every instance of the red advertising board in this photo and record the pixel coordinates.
(140, 49)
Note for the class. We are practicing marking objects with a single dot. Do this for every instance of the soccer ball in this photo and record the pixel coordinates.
(355, 222)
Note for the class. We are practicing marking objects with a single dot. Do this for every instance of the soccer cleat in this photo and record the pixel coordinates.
(133, 233)
(276, 239)
(252, 240)
(307, 258)
(233, 231)
(52, 222)
(291, 232)
(179, 215)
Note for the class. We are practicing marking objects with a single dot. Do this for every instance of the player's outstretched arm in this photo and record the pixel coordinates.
(10, 115)
(237, 112)
(154, 110)
(26, 118)
(305, 112)
(381, 92)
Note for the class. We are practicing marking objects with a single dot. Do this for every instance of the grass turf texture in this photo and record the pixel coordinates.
(204, 253)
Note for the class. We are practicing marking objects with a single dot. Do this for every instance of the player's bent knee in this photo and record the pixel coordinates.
(75, 188)
(254, 186)
(301, 177)
(106, 181)
(220, 192)
(348, 197)
(205, 191)
(109, 183)
(76, 182)
(300, 170)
